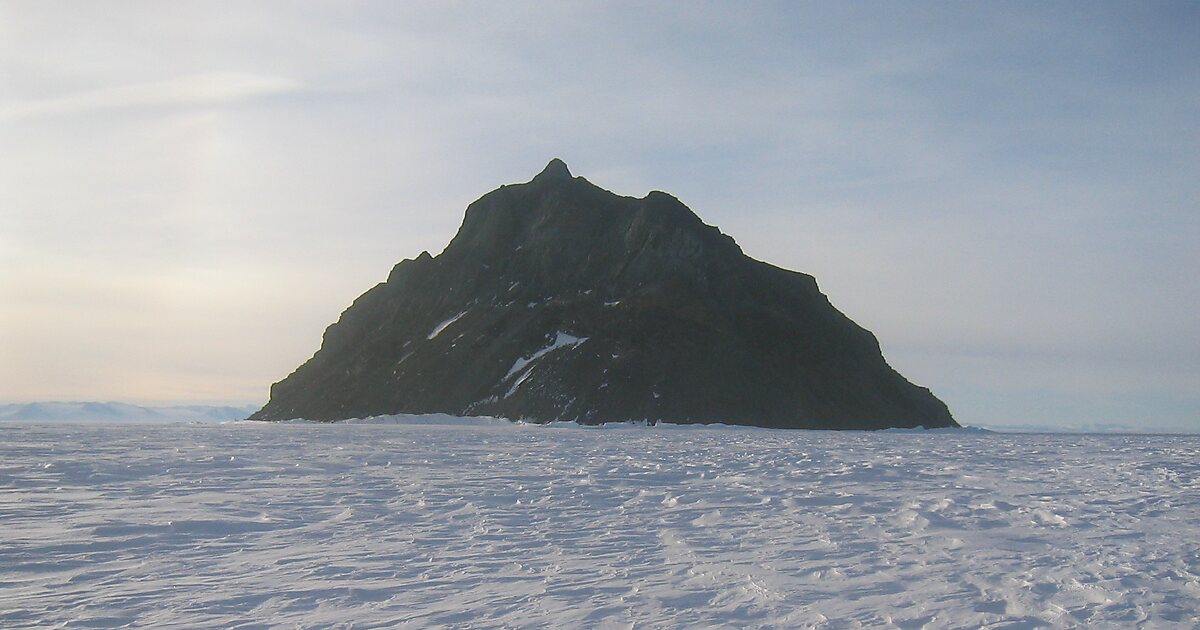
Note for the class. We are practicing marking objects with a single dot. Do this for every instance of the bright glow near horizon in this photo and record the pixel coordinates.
(1005, 194)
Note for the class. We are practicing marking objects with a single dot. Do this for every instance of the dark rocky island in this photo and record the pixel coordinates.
(558, 300)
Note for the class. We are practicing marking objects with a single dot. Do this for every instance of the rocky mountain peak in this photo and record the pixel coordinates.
(574, 222)
(556, 170)
(560, 300)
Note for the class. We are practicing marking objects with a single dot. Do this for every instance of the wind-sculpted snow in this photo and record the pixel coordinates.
(510, 525)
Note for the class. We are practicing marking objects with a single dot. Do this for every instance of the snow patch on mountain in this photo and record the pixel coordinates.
(561, 340)
(437, 330)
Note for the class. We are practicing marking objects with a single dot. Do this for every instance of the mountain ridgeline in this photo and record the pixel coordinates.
(558, 300)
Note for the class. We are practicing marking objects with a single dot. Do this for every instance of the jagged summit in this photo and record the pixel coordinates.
(556, 169)
(567, 230)
(558, 299)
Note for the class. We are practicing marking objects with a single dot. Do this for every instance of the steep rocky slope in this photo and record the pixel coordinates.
(558, 300)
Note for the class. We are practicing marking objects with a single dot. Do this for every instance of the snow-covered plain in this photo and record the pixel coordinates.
(424, 524)
(120, 413)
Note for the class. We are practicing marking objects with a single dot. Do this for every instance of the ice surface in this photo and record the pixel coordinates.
(426, 419)
(423, 523)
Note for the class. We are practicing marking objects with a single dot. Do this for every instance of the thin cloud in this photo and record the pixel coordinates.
(1004, 194)
(206, 89)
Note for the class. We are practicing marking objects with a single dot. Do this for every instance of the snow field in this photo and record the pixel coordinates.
(494, 525)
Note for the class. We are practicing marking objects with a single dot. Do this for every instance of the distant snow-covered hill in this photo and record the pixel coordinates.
(116, 412)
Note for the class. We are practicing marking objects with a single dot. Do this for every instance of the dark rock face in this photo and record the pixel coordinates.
(558, 300)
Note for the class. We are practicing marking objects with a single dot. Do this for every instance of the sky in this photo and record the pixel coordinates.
(1006, 194)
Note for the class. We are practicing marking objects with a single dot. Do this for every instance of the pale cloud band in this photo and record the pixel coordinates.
(206, 89)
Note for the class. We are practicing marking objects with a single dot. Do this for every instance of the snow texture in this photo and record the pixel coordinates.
(419, 522)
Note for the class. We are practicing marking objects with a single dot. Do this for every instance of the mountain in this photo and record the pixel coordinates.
(119, 413)
(559, 300)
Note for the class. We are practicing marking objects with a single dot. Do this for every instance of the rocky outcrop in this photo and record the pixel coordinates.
(558, 300)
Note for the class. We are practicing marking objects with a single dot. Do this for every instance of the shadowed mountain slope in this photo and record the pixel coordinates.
(558, 300)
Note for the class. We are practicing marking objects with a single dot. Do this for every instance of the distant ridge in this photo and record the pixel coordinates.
(116, 412)
(559, 300)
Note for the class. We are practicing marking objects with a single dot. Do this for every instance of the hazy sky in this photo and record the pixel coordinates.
(1007, 194)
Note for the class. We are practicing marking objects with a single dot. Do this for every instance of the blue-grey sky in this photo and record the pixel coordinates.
(1005, 193)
